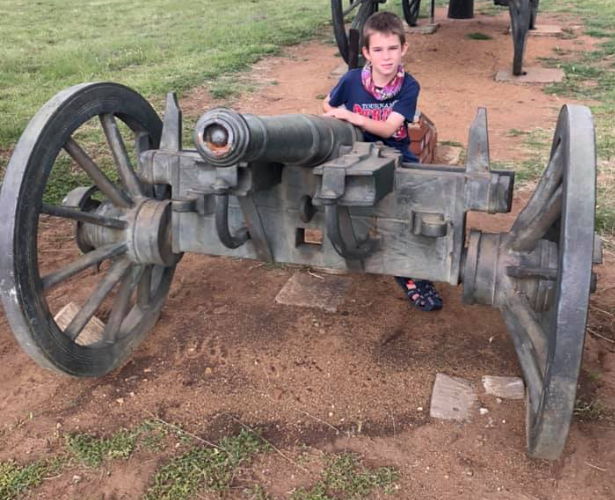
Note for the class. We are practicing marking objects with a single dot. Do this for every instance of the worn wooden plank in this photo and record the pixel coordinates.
(93, 330)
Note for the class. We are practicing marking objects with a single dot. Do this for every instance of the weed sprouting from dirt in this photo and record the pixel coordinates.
(478, 36)
(16, 479)
(589, 411)
(205, 468)
(346, 477)
(92, 450)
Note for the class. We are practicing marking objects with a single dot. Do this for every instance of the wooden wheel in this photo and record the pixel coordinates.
(117, 226)
(342, 24)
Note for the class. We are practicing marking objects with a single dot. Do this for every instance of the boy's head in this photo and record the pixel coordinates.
(385, 23)
(384, 45)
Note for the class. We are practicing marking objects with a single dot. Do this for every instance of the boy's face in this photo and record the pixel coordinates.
(384, 53)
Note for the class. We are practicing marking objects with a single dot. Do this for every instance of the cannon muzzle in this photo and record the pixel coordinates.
(225, 138)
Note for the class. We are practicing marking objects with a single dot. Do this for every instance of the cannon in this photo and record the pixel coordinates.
(348, 29)
(256, 187)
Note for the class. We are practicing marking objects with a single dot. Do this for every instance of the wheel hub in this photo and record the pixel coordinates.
(491, 268)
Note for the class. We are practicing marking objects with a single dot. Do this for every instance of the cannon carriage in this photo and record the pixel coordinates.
(255, 187)
(348, 22)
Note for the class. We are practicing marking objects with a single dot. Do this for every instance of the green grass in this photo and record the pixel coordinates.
(345, 477)
(92, 450)
(590, 76)
(478, 36)
(154, 46)
(200, 468)
(16, 479)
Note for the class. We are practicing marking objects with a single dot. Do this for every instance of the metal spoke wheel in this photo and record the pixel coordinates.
(540, 276)
(411, 11)
(520, 18)
(112, 253)
(361, 9)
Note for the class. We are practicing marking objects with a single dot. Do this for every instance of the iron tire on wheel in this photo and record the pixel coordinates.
(561, 210)
(365, 9)
(411, 11)
(22, 287)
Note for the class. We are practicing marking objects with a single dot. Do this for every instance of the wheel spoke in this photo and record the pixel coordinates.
(103, 183)
(548, 183)
(121, 304)
(353, 6)
(90, 259)
(527, 237)
(116, 143)
(144, 289)
(526, 318)
(116, 272)
(78, 215)
(526, 351)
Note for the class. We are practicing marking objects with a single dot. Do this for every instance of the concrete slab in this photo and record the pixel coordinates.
(532, 75)
(425, 29)
(324, 292)
(504, 387)
(544, 30)
(452, 398)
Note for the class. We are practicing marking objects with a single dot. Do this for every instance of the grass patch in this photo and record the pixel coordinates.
(205, 468)
(477, 35)
(345, 477)
(154, 46)
(92, 450)
(16, 479)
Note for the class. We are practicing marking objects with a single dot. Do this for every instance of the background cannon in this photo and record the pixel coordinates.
(348, 20)
(247, 191)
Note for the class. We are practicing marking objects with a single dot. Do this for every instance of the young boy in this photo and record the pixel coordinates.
(381, 100)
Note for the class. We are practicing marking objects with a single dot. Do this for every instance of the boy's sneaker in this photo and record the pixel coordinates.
(421, 293)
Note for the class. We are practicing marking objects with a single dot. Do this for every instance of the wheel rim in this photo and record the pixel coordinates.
(340, 15)
(520, 15)
(552, 374)
(132, 291)
(411, 11)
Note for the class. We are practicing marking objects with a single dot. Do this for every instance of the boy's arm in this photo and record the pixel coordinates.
(384, 129)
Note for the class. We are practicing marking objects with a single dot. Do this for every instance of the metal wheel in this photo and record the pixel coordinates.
(340, 16)
(550, 344)
(411, 11)
(540, 274)
(520, 16)
(113, 239)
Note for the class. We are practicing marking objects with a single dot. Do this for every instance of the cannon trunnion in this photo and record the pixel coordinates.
(295, 189)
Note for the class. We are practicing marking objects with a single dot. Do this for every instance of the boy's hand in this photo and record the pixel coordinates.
(343, 114)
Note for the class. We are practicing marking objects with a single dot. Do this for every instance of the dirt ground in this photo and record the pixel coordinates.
(359, 379)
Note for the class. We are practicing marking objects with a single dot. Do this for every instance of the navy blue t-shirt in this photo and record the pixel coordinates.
(350, 92)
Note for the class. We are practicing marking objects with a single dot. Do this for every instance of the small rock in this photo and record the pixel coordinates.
(420, 408)
(120, 401)
(132, 394)
(483, 411)
(147, 370)
(330, 413)
(76, 479)
(503, 421)
(469, 473)
(498, 400)
(208, 370)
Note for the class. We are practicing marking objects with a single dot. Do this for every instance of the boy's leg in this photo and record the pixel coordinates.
(421, 293)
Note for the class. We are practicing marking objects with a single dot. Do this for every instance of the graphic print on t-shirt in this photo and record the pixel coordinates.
(380, 112)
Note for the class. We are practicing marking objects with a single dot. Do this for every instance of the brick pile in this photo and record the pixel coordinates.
(423, 138)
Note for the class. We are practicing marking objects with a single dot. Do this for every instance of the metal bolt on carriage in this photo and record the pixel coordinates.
(251, 187)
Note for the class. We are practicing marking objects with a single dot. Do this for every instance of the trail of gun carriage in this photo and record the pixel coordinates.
(196, 267)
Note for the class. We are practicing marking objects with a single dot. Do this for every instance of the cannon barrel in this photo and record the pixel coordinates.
(225, 138)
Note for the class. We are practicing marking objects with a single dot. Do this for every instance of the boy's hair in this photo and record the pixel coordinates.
(383, 22)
